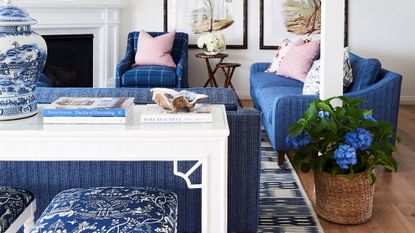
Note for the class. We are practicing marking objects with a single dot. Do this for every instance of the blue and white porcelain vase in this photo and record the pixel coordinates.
(23, 55)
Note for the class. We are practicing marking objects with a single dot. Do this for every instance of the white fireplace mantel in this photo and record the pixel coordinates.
(98, 17)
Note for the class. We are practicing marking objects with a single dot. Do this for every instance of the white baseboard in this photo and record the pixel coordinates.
(407, 100)
(244, 95)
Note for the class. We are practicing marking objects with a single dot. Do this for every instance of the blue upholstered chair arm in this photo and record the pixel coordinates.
(259, 67)
(244, 146)
(182, 68)
(126, 62)
(383, 97)
(122, 67)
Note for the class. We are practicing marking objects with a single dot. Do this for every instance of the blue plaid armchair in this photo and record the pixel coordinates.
(154, 76)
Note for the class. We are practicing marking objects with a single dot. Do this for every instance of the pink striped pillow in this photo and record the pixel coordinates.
(298, 60)
(155, 51)
(283, 49)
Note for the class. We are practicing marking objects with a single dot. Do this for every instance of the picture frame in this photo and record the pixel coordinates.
(236, 35)
(269, 40)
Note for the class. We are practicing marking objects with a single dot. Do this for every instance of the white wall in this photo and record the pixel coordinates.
(381, 29)
(384, 29)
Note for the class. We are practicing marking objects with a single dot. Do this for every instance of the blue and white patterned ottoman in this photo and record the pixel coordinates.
(110, 209)
(17, 207)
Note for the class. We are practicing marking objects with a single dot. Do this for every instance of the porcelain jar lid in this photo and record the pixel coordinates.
(11, 15)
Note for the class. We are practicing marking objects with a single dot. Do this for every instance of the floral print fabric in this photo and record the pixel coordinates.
(312, 81)
(110, 210)
(12, 203)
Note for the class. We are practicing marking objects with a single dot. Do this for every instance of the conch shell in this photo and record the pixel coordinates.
(183, 101)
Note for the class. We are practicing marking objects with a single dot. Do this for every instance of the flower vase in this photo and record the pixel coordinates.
(22, 58)
(343, 200)
(210, 53)
(212, 43)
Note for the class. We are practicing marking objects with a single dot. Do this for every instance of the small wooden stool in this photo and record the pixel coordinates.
(228, 70)
(211, 72)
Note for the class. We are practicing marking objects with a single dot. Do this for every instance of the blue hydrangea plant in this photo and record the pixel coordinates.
(342, 140)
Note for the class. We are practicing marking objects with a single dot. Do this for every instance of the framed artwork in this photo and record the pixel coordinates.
(281, 19)
(194, 18)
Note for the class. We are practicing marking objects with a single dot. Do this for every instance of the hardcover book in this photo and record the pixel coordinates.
(72, 110)
(202, 113)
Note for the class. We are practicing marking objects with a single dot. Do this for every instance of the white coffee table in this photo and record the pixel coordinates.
(30, 140)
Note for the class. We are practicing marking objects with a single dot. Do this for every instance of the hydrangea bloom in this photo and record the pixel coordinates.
(322, 114)
(370, 118)
(345, 155)
(214, 41)
(360, 139)
(299, 141)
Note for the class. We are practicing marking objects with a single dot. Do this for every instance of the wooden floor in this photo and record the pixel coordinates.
(394, 205)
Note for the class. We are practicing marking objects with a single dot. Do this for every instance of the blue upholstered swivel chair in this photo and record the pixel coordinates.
(154, 76)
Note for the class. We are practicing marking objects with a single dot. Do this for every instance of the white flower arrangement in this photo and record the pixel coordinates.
(212, 42)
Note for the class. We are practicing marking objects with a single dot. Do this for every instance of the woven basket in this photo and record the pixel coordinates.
(344, 201)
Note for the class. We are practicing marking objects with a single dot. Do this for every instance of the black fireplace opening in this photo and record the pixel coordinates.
(70, 60)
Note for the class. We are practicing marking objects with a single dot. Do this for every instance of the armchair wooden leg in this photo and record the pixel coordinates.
(281, 157)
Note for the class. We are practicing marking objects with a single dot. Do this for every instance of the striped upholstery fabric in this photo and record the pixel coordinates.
(298, 60)
(179, 54)
(223, 96)
(150, 76)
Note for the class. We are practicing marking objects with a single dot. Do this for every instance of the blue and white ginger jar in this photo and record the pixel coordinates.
(23, 55)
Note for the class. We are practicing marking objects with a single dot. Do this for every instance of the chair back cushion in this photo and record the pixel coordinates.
(179, 45)
(155, 50)
(365, 72)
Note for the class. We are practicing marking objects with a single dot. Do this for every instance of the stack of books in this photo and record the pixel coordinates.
(73, 110)
(152, 113)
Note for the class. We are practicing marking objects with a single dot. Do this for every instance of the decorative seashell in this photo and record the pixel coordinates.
(183, 101)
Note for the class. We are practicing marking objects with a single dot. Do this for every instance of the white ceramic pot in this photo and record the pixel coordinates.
(210, 53)
(23, 55)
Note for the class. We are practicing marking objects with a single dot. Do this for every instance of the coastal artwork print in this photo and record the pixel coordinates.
(197, 17)
(292, 19)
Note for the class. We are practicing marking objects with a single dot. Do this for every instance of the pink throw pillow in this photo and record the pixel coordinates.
(155, 51)
(283, 49)
(298, 60)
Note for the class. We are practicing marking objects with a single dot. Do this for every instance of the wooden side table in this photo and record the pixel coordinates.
(211, 72)
(228, 70)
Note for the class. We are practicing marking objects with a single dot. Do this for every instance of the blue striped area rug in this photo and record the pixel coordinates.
(283, 204)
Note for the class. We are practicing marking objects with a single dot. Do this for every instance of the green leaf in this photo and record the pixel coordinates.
(390, 163)
(321, 125)
(372, 178)
(299, 156)
(326, 107)
(305, 167)
(296, 129)
(332, 126)
(398, 139)
(350, 176)
(321, 161)
(311, 112)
